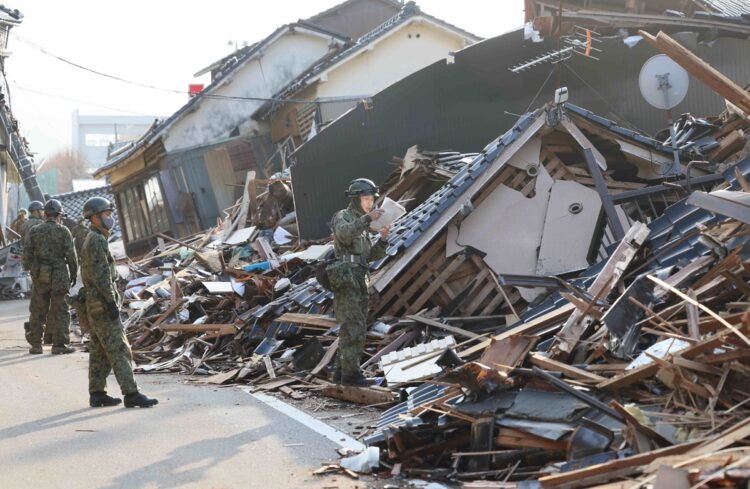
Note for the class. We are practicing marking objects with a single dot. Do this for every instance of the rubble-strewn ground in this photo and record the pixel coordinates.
(199, 436)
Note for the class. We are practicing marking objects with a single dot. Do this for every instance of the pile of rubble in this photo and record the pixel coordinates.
(550, 313)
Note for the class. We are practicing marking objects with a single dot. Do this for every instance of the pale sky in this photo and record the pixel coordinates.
(160, 43)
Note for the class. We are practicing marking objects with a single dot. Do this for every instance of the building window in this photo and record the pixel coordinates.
(143, 211)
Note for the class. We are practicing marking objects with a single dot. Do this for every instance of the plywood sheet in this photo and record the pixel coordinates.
(508, 227)
(567, 235)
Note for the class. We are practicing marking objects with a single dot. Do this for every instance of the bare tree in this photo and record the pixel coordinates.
(68, 164)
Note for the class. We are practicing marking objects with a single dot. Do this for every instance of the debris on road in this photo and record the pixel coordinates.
(601, 333)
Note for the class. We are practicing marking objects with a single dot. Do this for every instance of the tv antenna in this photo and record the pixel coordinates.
(582, 42)
(664, 84)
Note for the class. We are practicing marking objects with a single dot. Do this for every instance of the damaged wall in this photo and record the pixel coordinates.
(215, 119)
(462, 105)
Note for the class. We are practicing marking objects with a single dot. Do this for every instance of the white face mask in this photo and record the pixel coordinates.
(108, 222)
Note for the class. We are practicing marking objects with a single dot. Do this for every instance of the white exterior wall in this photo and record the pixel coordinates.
(389, 60)
(283, 60)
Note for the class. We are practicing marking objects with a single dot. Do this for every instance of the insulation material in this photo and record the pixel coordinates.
(569, 228)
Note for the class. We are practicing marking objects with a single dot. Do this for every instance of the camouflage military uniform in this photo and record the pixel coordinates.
(79, 232)
(17, 225)
(109, 348)
(351, 283)
(51, 258)
(26, 227)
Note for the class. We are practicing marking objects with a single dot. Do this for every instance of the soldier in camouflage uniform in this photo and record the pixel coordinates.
(50, 256)
(36, 216)
(109, 348)
(19, 221)
(79, 230)
(349, 275)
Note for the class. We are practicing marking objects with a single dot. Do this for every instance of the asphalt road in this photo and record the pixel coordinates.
(197, 437)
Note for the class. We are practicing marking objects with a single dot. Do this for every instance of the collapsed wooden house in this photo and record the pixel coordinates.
(547, 198)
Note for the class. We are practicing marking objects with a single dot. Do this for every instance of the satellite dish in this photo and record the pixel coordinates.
(663, 83)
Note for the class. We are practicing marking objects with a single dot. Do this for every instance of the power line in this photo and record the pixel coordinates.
(70, 99)
(162, 89)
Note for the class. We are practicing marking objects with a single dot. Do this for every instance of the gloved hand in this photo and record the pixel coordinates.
(73, 280)
(113, 312)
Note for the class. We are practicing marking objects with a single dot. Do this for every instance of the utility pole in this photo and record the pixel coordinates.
(19, 154)
(14, 144)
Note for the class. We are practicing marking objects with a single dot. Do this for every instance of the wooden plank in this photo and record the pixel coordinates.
(645, 371)
(414, 271)
(535, 324)
(574, 373)
(269, 366)
(436, 282)
(604, 282)
(693, 319)
(277, 383)
(199, 328)
(445, 327)
(705, 309)
(513, 438)
(311, 319)
(584, 142)
(726, 438)
(325, 360)
(582, 475)
(359, 395)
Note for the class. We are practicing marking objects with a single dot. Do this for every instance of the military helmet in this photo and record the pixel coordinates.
(22, 211)
(36, 206)
(53, 207)
(362, 186)
(96, 205)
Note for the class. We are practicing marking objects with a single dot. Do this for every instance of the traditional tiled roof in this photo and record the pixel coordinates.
(728, 8)
(231, 64)
(72, 202)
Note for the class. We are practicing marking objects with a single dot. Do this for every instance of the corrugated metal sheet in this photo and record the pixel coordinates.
(463, 105)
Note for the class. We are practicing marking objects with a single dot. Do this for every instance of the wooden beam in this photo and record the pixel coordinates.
(608, 468)
(311, 319)
(603, 284)
(533, 325)
(359, 395)
(584, 142)
(572, 372)
(199, 328)
(705, 309)
(445, 327)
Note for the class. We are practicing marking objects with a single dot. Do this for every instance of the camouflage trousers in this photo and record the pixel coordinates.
(48, 306)
(109, 351)
(350, 305)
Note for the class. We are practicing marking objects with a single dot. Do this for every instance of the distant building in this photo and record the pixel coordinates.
(92, 135)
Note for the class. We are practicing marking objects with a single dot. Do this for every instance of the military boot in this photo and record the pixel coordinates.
(101, 399)
(36, 350)
(139, 400)
(62, 350)
(355, 380)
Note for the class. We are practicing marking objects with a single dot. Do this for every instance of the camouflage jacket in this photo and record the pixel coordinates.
(17, 225)
(50, 245)
(79, 233)
(351, 235)
(26, 227)
(98, 268)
